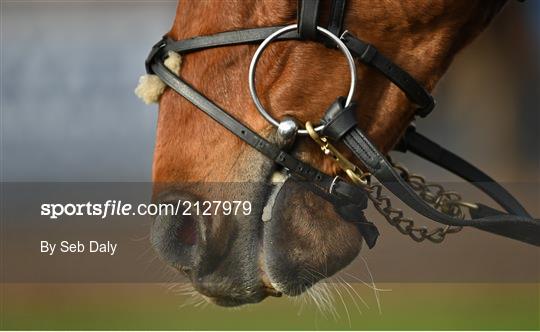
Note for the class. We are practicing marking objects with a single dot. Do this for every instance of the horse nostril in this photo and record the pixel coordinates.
(186, 231)
(175, 237)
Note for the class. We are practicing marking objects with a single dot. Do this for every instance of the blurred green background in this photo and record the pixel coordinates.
(405, 306)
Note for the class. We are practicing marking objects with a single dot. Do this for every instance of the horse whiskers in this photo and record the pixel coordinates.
(181, 289)
(352, 296)
(321, 295)
(344, 304)
(142, 237)
(196, 300)
(144, 252)
(186, 292)
(327, 297)
(356, 292)
(316, 273)
(373, 286)
(363, 282)
(300, 310)
(168, 275)
(202, 303)
(351, 291)
(312, 295)
(323, 292)
(316, 300)
(373, 283)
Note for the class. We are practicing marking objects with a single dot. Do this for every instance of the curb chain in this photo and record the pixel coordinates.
(445, 201)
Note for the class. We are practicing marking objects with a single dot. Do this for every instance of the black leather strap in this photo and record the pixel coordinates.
(515, 226)
(369, 55)
(339, 190)
(308, 17)
(355, 214)
(337, 14)
(228, 38)
(427, 149)
(523, 231)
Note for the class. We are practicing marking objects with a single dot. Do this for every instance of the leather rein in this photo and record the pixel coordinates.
(339, 124)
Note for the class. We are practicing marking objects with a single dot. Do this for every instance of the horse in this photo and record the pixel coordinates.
(241, 259)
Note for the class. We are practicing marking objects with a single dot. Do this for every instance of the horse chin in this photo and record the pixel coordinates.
(304, 239)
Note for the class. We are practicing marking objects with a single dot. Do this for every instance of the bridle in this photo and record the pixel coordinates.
(339, 124)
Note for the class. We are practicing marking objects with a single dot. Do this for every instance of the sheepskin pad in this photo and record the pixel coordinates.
(151, 87)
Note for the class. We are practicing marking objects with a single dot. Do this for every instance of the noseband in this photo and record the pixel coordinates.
(349, 197)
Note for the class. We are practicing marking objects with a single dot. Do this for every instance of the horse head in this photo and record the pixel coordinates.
(292, 237)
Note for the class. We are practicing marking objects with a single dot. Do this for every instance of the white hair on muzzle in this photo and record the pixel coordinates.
(151, 87)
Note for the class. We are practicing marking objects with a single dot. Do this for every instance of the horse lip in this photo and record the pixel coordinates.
(267, 285)
(277, 180)
(271, 291)
(230, 301)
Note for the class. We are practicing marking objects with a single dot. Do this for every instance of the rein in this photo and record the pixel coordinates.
(339, 124)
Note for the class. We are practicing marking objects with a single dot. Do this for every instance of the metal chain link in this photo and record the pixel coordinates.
(445, 201)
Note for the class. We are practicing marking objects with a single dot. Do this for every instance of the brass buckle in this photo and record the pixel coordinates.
(354, 173)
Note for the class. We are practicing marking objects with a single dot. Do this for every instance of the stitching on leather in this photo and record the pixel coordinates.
(357, 145)
(364, 144)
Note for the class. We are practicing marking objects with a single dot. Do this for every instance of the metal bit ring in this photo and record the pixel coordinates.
(264, 44)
